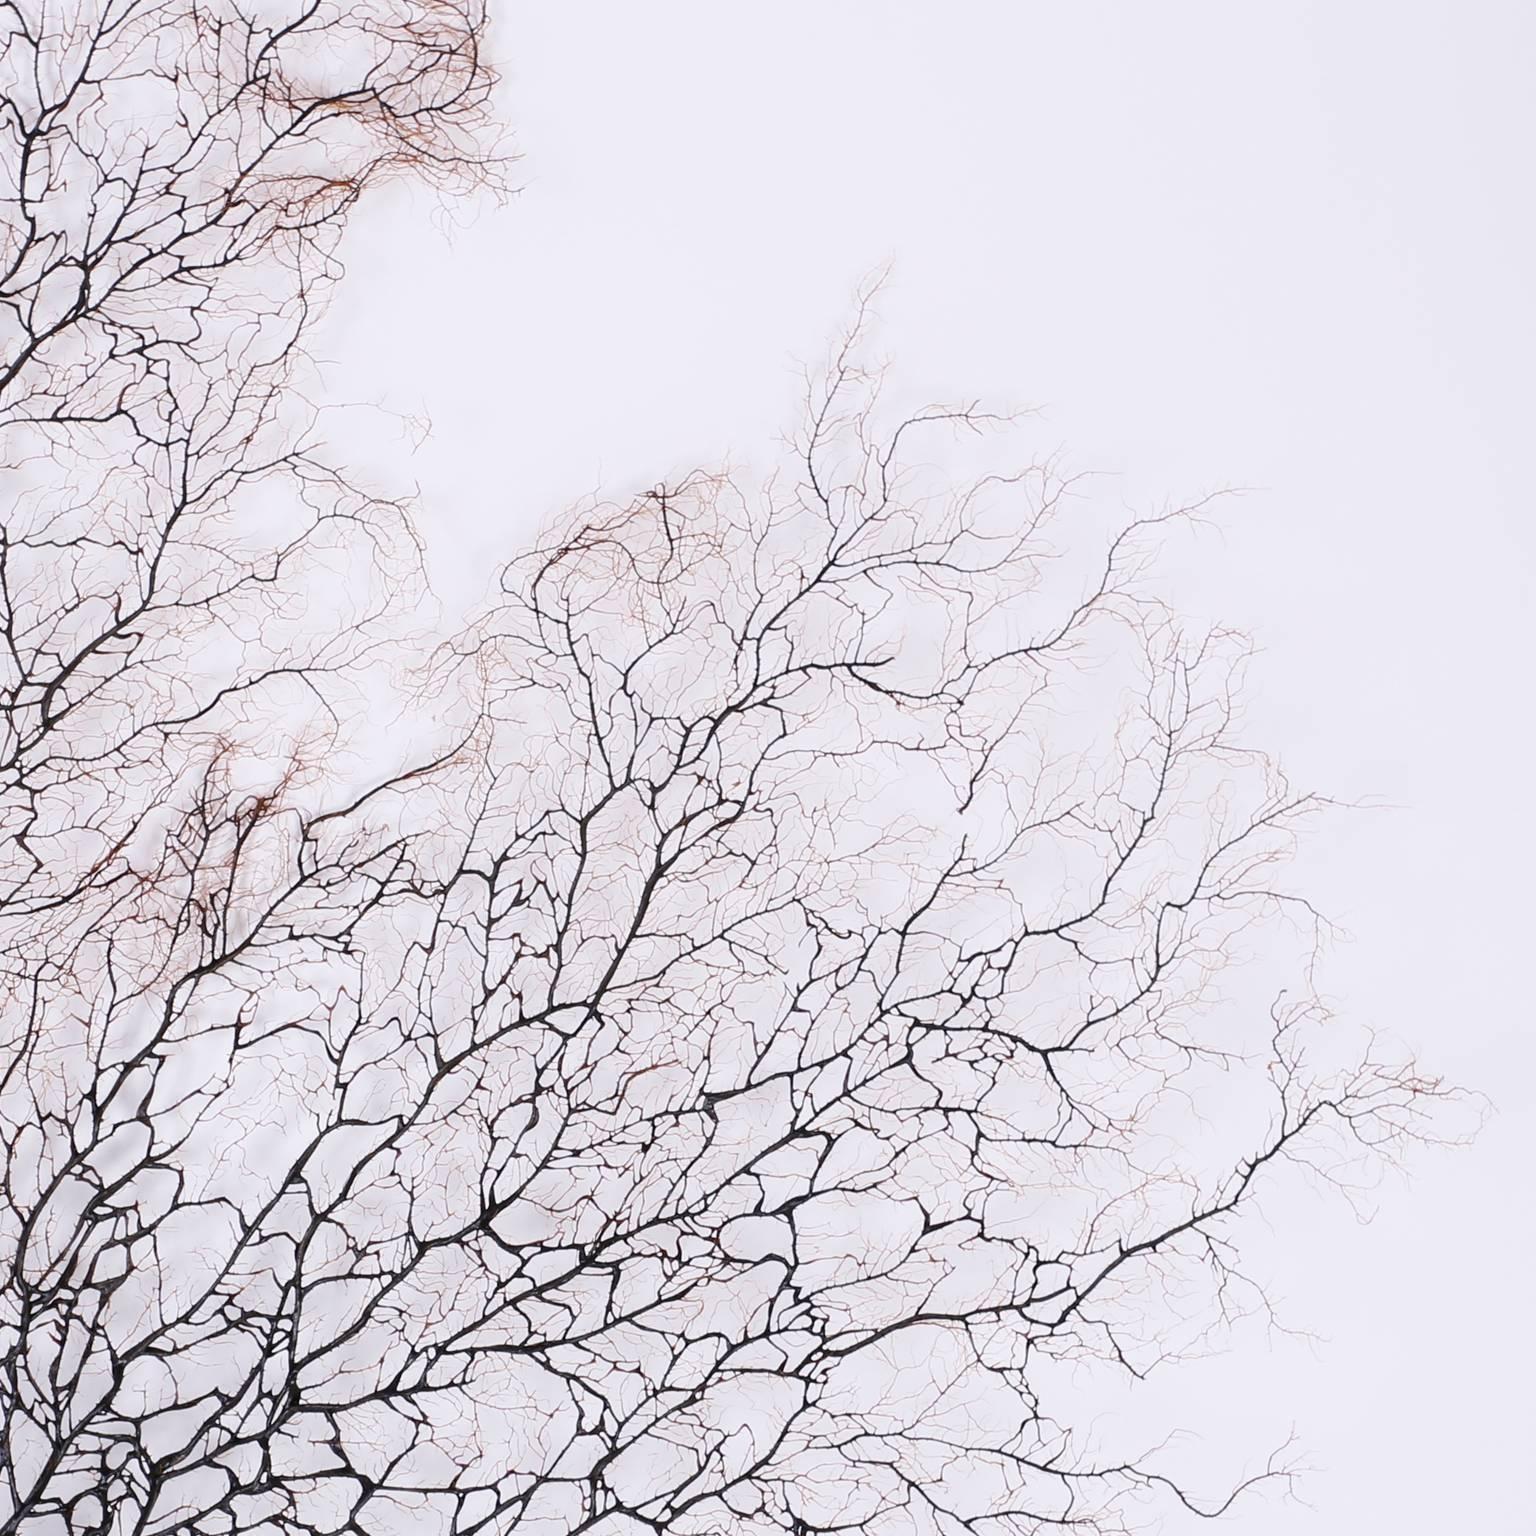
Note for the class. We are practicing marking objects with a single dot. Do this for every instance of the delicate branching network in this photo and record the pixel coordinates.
(780, 1034)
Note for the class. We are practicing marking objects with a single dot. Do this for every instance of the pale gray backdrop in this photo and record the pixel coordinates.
(1282, 246)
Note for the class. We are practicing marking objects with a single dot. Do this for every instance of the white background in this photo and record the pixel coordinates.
(1287, 247)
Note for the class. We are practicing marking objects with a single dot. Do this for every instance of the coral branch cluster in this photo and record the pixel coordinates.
(801, 995)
